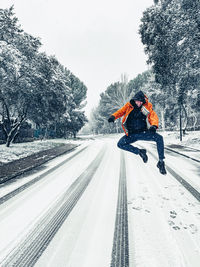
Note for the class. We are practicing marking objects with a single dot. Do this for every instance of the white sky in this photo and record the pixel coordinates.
(96, 40)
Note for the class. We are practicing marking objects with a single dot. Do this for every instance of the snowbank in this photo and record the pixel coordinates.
(17, 151)
(190, 139)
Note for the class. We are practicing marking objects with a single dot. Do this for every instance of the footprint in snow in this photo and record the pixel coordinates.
(148, 211)
(173, 214)
(136, 208)
(165, 198)
(171, 223)
(176, 227)
(193, 228)
(185, 210)
(191, 204)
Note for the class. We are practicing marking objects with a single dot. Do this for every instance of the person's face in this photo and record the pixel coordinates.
(138, 103)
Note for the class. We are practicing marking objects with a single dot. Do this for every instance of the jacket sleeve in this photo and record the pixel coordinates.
(153, 118)
(120, 112)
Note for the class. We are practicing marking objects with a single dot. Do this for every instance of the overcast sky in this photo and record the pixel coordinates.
(97, 40)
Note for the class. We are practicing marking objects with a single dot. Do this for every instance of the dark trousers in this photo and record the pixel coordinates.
(125, 142)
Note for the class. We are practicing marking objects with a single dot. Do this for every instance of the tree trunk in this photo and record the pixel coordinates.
(163, 118)
(195, 121)
(12, 134)
(46, 132)
(185, 122)
(180, 123)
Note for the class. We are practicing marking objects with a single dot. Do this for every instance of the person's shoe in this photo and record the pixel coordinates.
(161, 167)
(143, 155)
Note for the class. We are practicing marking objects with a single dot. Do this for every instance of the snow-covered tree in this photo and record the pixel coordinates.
(33, 85)
(170, 32)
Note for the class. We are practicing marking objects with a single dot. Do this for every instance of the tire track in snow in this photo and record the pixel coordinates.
(38, 178)
(120, 251)
(188, 186)
(32, 245)
(179, 153)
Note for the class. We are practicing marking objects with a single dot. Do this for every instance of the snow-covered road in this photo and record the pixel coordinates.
(72, 216)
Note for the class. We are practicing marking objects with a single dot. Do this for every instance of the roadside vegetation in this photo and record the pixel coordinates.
(35, 88)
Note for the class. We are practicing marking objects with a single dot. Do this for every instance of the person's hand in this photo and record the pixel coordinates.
(152, 129)
(111, 119)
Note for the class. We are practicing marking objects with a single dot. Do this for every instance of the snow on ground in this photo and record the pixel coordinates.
(17, 151)
(164, 218)
(20, 150)
(190, 139)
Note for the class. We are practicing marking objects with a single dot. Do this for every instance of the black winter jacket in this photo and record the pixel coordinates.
(136, 121)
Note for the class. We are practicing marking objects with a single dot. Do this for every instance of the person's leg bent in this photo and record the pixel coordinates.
(125, 143)
(160, 145)
(158, 139)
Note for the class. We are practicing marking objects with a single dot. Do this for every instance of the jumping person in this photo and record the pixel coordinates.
(138, 115)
